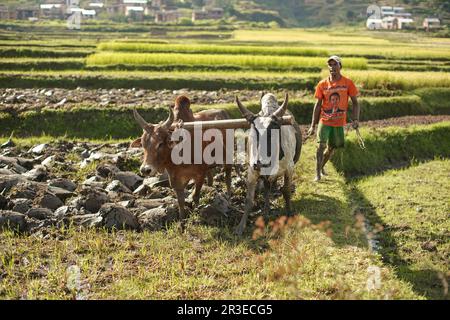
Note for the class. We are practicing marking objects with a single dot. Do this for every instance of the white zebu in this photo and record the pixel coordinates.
(281, 162)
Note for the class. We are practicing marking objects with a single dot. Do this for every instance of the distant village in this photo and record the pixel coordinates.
(396, 18)
(161, 11)
(136, 10)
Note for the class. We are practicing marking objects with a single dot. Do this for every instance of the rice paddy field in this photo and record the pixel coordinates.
(383, 210)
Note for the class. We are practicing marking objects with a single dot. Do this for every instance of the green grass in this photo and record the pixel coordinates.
(216, 79)
(391, 147)
(29, 64)
(43, 53)
(111, 58)
(396, 80)
(412, 206)
(208, 49)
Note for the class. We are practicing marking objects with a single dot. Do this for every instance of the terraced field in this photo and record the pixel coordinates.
(376, 227)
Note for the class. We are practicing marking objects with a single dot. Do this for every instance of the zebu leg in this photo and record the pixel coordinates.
(267, 187)
(287, 191)
(198, 187)
(251, 187)
(181, 208)
(179, 186)
(210, 178)
(228, 179)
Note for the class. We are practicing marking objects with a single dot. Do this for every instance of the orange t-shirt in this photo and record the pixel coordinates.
(334, 97)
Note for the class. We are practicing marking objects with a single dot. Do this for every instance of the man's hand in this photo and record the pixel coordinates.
(311, 131)
(355, 124)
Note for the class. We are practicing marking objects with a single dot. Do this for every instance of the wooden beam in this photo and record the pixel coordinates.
(226, 124)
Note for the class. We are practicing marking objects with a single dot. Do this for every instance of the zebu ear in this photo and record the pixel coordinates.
(244, 111)
(136, 143)
(142, 123)
(282, 109)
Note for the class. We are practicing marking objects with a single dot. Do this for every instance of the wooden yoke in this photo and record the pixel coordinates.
(227, 124)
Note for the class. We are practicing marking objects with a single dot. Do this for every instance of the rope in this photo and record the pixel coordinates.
(360, 139)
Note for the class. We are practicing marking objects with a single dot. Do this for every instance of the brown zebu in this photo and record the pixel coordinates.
(157, 144)
(183, 113)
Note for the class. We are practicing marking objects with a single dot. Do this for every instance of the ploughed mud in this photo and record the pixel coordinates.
(21, 100)
(93, 185)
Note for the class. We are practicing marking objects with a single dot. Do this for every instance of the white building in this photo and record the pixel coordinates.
(392, 18)
(431, 23)
(374, 24)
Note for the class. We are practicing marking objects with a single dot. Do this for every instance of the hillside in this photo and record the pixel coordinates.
(316, 13)
(300, 13)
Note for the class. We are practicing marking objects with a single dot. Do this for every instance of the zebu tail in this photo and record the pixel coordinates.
(298, 142)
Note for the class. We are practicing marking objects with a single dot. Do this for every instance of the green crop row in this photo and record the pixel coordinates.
(113, 58)
(392, 147)
(146, 80)
(43, 53)
(209, 49)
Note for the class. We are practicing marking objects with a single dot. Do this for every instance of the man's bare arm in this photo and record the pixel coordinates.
(315, 116)
(355, 112)
(316, 113)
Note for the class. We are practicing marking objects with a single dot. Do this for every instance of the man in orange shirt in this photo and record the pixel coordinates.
(331, 107)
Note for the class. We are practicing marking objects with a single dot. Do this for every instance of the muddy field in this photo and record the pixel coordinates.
(20, 100)
(95, 185)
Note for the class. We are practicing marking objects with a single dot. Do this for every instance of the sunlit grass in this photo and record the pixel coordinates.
(169, 74)
(403, 80)
(208, 49)
(303, 35)
(415, 221)
(107, 58)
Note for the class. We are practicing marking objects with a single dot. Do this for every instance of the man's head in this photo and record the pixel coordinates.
(334, 65)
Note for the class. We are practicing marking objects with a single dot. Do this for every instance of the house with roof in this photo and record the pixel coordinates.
(392, 18)
(431, 24)
(7, 14)
(167, 16)
(52, 10)
(207, 14)
(27, 13)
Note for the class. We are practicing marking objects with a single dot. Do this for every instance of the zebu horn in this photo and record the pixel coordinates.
(244, 111)
(142, 123)
(169, 120)
(262, 96)
(282, 109)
